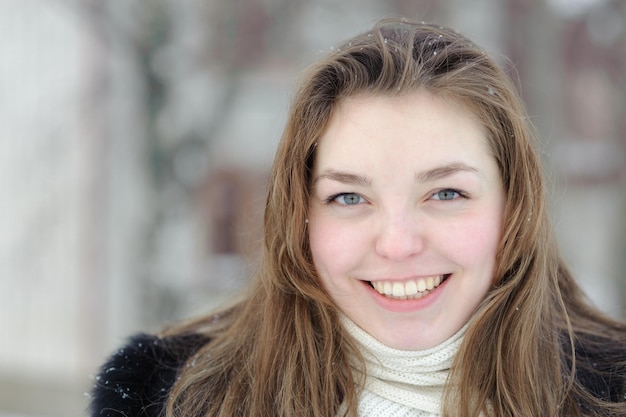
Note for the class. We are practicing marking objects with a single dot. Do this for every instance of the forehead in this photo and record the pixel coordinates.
(416, 126)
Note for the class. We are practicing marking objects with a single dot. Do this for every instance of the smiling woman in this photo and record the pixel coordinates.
(405, 216)
(408, 267)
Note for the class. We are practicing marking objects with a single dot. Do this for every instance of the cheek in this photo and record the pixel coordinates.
(321, 237)
(475, 242)
(334, 246)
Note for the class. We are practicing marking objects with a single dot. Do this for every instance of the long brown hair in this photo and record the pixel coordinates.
(281, 351)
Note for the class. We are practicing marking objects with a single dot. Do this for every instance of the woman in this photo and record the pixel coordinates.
(408, 268)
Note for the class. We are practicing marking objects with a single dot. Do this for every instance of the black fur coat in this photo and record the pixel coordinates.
(136, 380)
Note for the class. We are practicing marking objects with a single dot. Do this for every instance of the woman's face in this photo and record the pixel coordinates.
(405, 216)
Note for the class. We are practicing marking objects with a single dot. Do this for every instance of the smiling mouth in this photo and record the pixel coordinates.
(412, 289)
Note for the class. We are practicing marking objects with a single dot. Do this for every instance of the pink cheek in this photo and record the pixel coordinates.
(473, 242)
(333, 247)
(323, 240)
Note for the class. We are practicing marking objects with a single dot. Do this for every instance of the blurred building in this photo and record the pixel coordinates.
(136, 138)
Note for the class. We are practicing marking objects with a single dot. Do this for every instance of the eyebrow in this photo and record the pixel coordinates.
(443, 172)
(430, 175)
(343, 177)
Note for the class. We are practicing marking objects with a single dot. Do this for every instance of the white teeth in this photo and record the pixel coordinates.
(430, 283)
(398, 290)
(408, 289)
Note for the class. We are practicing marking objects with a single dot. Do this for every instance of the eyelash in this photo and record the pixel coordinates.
(333, 198)
(457, 194)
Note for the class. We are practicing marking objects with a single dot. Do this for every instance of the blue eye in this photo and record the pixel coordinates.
(347, 199)
(446, 195)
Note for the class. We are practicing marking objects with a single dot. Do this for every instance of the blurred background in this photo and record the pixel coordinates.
(136, 138)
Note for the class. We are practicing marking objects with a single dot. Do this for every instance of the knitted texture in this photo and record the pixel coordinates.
(402, 383)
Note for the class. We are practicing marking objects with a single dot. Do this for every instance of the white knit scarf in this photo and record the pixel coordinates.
(408, 379)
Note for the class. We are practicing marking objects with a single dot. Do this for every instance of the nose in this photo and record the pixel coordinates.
(399, 237)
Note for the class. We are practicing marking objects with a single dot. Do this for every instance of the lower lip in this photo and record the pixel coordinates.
(402, 306)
